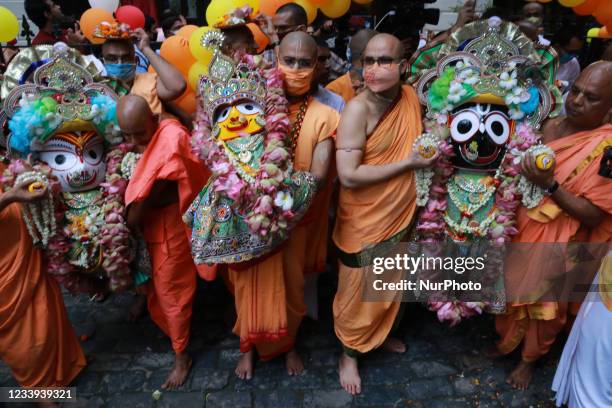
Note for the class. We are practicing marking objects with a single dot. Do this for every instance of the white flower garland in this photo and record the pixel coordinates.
(39, 217)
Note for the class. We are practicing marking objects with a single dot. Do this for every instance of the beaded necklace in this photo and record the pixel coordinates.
(294, 134)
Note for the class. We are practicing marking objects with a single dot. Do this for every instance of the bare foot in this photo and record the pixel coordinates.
(294, 363)
(349, 374)
(492, 352)
(180, 370)
(244, 369)
(394, 345)
(138, 309)
(520, 377)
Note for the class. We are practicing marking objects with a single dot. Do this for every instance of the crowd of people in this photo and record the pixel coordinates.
(286, 149)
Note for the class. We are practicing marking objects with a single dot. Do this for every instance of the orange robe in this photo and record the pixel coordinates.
(373, 214)
(533, 316)
(171, 290)
(343, 86)
(269, 295)
(36, 338)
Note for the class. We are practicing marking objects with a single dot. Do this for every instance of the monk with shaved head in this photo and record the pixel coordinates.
(282, 276)
(377, 198)
(350, 83)
(578, 208)
(164, 182)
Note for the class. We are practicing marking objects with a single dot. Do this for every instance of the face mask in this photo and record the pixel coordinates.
(125, 72)
(379, 79)
(297, 81)
(565, 58)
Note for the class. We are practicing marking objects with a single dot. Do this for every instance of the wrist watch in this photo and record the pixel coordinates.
(551, 190)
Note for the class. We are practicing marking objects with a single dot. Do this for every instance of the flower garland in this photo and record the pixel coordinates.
(431, 223)
(112, 237)
(270, 212)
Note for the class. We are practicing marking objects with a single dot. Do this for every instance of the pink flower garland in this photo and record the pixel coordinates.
(263, 217)
(431, 224)
(113, 237)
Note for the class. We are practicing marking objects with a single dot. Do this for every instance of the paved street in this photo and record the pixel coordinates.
(442, 368)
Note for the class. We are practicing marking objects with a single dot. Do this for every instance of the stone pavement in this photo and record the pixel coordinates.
(443, 366)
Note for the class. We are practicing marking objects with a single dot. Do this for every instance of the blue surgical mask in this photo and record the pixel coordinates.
(567, 57)
(125, 72)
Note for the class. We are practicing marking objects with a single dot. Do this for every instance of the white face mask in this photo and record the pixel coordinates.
(76, 159)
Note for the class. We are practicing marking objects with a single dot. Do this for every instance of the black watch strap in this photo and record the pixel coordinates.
(554, 187)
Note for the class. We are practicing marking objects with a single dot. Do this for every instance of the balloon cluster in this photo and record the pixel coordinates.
(600, 9)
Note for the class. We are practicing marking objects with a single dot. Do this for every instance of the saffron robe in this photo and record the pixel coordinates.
(373, 214)
(36, 338)
(343, 86)
(269, 294)
(170, 293)
(530, 278)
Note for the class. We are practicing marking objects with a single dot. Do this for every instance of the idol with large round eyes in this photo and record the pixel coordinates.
(498, 127)
(464, 125)
(77, 160)
(245, 117)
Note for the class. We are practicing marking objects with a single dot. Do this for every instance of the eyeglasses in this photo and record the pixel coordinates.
(301, 63)
(381, 61)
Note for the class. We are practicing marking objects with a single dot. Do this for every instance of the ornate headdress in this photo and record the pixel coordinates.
(488, 62)
(62, 98)
(228, 82)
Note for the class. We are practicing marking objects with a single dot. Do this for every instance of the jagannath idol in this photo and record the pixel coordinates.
(242, 134)
(487, 89)
(65, 125)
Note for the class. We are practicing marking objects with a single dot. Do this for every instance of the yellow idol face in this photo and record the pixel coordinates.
(239, 119)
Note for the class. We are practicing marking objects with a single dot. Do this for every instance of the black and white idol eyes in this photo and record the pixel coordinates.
(63, 159)
(245, 108)
(465, 124)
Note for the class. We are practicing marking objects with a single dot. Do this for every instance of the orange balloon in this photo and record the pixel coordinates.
(90, 19)
(336, 8)
(261, 39)
(363, 1)
(321, 2)
(587, 8)
(186, 31)
(311, 10)
(604, 32)
(269, 7)
(175, 50)
(603, 12)
(187, 101)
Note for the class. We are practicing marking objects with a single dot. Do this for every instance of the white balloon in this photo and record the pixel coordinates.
(108, 5)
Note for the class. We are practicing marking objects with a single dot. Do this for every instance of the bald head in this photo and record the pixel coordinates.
(589, 102)
(297, 46)
(359, 42)
(529, 29)
(385, 45)
(136, 119)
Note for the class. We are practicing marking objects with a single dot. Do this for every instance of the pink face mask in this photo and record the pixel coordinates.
(379, 79)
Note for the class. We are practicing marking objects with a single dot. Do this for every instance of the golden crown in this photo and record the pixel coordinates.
(227, 81)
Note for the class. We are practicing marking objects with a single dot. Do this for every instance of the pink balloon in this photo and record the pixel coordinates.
(131, 16)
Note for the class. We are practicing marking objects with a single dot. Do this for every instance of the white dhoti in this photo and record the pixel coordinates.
(584, 375)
